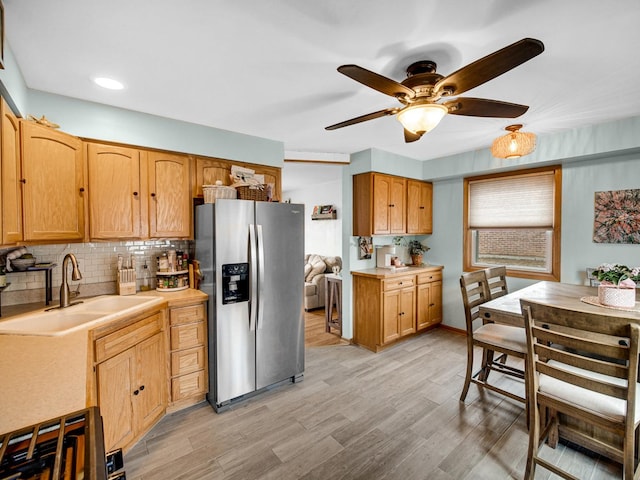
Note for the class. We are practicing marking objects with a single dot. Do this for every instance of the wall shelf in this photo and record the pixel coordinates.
(324, 216)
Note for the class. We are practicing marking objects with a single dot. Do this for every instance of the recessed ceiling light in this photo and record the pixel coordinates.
(109, 83)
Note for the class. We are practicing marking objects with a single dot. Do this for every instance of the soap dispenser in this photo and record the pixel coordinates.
(144, 286)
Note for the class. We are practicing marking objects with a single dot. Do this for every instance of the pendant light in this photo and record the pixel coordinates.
(515, 144)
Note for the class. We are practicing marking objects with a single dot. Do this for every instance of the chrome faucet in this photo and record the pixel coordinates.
(65, 293)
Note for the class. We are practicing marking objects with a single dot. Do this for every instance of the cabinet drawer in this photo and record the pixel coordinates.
(116, 342)
(188, 385)
(187, 361)
(190, 314)
(399, 282)
(429, 277)
(189, 335)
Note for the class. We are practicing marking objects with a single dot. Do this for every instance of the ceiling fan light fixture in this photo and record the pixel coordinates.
(421, 118)
(514, 144)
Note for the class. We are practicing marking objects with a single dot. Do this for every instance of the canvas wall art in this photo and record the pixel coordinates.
(617, 217)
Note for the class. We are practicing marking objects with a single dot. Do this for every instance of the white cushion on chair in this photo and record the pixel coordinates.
(506, 336)
(611, 407)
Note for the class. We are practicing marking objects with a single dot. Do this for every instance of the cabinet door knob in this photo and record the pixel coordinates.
(391, 205)
(135, 194)
(81, 189)
(141, 387)
(153, 194)
(23, 180)
(432, 304)
(136, 392)
(421, 208)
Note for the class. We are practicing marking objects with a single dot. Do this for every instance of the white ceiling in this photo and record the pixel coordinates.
(268, 68)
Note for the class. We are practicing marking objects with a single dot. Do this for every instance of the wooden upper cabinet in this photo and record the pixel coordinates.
(11, 199)
(114, 191)
(169, 195)
(53, 197)
(419, 207)
(210, 170)
(397, 218)
(378, 204)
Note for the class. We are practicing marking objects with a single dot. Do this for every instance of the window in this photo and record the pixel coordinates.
(513, 219)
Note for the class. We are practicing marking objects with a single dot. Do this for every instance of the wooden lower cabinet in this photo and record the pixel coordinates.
(188, 340)
(131, 378)
(389, 307)
(429, 300)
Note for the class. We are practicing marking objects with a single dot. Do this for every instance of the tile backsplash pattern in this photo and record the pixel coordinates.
(97, 263)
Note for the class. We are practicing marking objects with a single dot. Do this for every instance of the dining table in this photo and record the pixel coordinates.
(580, 298)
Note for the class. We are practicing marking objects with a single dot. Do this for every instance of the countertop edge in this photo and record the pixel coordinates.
(388, 273)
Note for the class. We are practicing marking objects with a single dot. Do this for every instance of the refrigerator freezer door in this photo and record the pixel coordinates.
(231, 340)
(280, 329)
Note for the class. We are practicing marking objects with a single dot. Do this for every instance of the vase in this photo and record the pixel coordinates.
(613, 296)
(416, 258)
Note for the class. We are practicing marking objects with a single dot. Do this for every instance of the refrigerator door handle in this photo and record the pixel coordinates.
(261, 295)
(253, 262)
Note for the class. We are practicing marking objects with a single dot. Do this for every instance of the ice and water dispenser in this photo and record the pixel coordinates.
(235, 283)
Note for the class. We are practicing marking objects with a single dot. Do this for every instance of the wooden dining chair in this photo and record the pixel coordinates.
(584, 366)
(497, 281)
(491, 337)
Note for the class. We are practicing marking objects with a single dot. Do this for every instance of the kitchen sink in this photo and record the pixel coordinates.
(88, 313)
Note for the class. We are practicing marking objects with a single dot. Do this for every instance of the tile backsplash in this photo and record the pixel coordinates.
(97, 263)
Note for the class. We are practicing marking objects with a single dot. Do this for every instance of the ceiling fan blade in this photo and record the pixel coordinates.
(481, 107)
(364, 118)
(489, 67)
(411, 137)
(376, 81)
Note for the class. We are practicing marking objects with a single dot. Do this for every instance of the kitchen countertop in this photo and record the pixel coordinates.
(389, 273)
(43, 377)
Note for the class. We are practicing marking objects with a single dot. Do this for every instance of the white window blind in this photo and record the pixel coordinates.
(514, 201)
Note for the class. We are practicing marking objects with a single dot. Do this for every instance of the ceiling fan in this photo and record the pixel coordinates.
(421, 91)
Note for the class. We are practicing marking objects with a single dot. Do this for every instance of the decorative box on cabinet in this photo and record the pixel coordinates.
(188, 343)
(210, 170)
(389, 306)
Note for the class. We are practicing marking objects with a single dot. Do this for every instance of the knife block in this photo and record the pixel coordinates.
(126, 282)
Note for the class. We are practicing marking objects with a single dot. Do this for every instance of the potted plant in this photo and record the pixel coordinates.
(417, 250)
(617, 285)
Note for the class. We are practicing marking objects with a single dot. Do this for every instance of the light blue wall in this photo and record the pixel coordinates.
(594, 158)
(97, 121)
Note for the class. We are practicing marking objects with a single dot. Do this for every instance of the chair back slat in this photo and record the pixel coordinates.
(473, 286)
(587, 382)
(603, 367)
(590, 343)
(581, 321)
(497, 281)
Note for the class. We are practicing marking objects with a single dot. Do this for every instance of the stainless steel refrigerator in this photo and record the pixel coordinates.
(251, 255)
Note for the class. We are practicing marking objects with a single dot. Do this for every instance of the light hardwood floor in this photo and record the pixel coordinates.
(358, 415)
